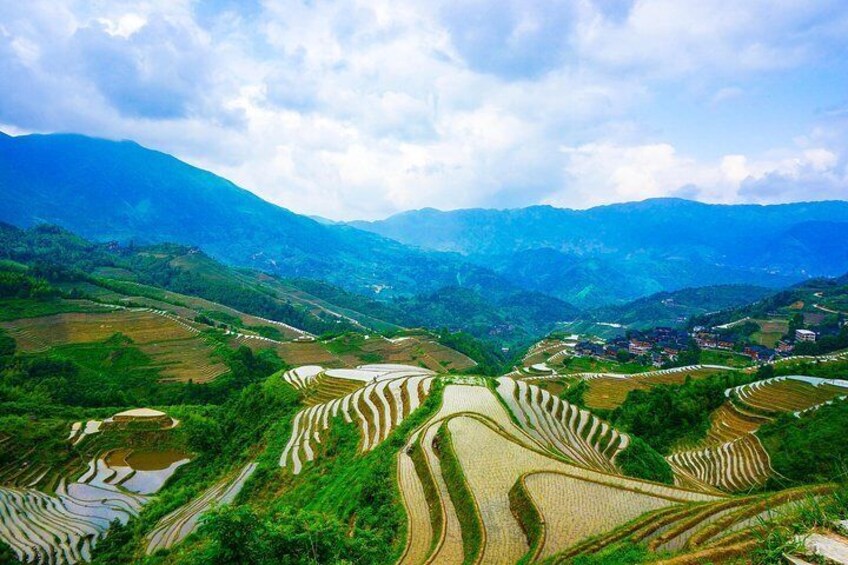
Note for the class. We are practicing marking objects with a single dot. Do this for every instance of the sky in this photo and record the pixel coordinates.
(361, 109)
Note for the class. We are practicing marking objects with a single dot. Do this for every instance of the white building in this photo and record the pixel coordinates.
(805, 335)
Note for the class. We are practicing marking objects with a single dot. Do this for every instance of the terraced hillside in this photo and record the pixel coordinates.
(349, 350)
(502, 485)
(175, 346)
(607, 391)
(62, 521)
(179, 524)
(483, 478)
(383, 396)
(792, 393)
(732, 457)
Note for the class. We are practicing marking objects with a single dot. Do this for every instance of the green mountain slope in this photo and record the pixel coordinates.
(105, 190)
(675, 308)
(509, 318)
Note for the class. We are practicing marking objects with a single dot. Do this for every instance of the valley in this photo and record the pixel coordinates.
(166, 403)
(144, 424)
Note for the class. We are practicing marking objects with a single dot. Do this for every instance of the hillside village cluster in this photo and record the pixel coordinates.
(663, 346)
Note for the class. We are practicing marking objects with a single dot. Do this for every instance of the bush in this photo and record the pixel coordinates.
(669, 414)
(811, 448)
(285, 536)
(642, 461)
(574, 394)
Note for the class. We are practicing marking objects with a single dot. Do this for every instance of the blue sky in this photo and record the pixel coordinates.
(360, 109)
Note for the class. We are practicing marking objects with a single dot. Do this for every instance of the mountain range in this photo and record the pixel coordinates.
(621, 252)
(107, 190)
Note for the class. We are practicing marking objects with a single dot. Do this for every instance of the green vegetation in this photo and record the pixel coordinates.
(826, 344)
(490, 361)
(811, 448)
(222, 438)
(726, 358)
(574, 393)
(351, 497)
(503, 316)
(668, 308)
(619, 554)
(510, 318)
(528, 517)
(115, 373)
(784, 532)
(345, 507)
(6, 554)
(642, 461)
(668, 415)
(14, 284)
(430, 491)
(17, 308)
(239, 535)
(593, 365)
(830, 370)
(460, 494)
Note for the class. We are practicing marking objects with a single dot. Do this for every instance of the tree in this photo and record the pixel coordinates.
(689, 356)
(795, 323)
(236, 534)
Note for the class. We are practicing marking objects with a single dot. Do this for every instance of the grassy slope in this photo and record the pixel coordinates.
(341, 487)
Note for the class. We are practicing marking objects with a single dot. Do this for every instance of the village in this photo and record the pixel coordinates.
(666, 346)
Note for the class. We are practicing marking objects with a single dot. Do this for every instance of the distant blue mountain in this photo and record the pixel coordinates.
(107, 190)
(621, 252)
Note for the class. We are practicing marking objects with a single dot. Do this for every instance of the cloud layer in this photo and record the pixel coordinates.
(359, 109)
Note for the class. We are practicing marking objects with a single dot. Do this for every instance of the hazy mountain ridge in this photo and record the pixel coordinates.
(106, 190)
(673, 308)
(637, 248)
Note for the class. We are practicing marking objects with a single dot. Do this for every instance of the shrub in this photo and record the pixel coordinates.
(642, 461)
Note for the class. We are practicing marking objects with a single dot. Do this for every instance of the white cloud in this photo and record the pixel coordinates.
(603, 173)
(362, 108)
(123, 26)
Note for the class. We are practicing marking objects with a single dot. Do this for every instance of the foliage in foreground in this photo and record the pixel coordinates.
(283, 536)
(619, 554)
(350, 498)
(222, 439)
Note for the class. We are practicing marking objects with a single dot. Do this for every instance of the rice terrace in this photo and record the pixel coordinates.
(160, 406)
(424, 282)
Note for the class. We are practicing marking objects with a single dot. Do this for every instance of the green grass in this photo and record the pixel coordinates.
(528, 518)
(810, 448)
(642, 461)
(349, 343)
(17, 308)
(431, 493)
(461, 496)
(625, 553)
(727, 358)
(267, 331)
(592, 365)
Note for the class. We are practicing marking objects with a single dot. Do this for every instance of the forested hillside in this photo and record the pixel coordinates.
(621, 252)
